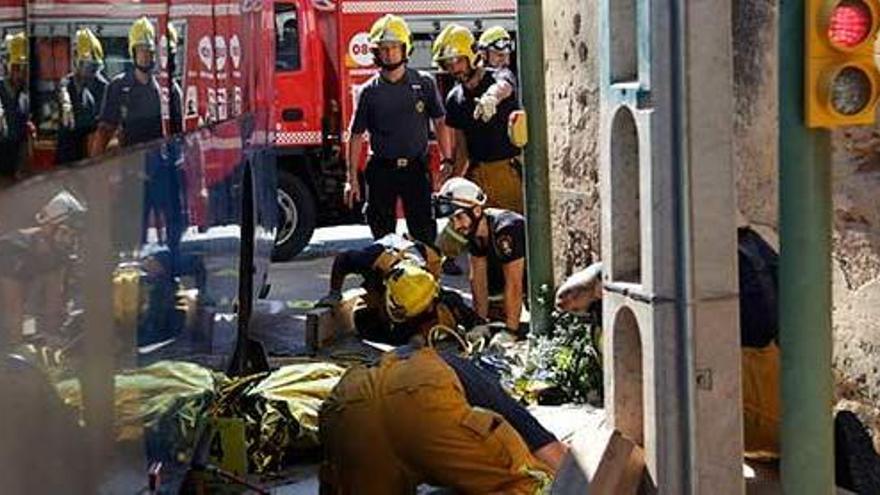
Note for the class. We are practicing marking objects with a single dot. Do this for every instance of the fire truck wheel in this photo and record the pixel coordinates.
(297, 216)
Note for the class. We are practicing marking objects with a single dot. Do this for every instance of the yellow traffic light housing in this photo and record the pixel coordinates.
(842, 82)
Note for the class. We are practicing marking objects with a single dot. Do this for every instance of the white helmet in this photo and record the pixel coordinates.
(61, 207)
(458, 193)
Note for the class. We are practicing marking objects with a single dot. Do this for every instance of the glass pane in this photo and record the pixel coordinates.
(287, 45)
(16, 141)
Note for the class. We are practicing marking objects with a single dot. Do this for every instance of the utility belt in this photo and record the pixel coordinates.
(396, 163)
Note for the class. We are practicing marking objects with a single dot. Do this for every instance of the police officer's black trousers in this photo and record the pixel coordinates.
(412, 183)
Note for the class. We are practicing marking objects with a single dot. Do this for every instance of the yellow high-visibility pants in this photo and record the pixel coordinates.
(761, 400)
(406, 421)
(501, 182)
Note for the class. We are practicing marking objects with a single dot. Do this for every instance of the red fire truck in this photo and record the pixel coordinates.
(322, 55)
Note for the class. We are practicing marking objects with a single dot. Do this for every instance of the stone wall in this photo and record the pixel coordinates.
(570, 37)
(571, 49)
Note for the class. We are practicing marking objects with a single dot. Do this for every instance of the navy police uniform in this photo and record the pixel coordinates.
(397, 116)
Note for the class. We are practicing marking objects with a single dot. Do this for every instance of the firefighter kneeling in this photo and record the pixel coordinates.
(412, 417)
(375, 263)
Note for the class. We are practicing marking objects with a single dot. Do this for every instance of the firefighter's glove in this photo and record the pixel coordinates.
(478, 333)
(487, 106)
(67, 119)
(333, 298)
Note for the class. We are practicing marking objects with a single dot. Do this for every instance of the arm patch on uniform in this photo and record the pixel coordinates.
(504, 245)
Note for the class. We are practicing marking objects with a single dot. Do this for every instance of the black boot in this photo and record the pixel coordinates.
(857, 465)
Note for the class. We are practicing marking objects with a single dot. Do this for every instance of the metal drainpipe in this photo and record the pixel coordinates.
(805, 275)
(535, 171)
(684, 286)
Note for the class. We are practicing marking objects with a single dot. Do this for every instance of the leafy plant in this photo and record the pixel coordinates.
(568, 361)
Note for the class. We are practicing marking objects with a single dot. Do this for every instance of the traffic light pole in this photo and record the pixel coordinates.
(535, 171)
(805, 278)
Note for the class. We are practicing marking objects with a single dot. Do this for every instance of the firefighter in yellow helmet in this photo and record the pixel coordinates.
(176, 95)
(396, 107)
(15, 126)
(80, 97)
(374, 319)
(495, 46)
(478, 109)
(132, 109)
(422, 415)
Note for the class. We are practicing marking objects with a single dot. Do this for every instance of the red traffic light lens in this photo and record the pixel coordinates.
(850, 24)
(850, 91)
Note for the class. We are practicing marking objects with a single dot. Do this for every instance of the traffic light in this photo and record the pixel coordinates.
(842, 81)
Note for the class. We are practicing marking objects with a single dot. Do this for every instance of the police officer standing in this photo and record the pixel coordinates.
(133, 103)
(15, 127)
(478, 109)
(396, 108)
(80, 96)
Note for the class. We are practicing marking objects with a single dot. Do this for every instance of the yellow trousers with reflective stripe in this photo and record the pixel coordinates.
(501, 182)
(406, 421)
(761, 400)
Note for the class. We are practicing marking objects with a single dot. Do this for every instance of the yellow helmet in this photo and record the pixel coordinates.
(142, 32)
(496, 38)
(410, 291)
(453, 42)
(391, 28)
(173, 38)
(88, 47)
(16, 48)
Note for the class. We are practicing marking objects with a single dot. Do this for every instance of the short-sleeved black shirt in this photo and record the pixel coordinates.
(507, 242)
(397, 115)
(486, 141)
(86, 100)
(136, 107)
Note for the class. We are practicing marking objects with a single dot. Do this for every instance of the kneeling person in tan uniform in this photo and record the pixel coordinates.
(423, 416)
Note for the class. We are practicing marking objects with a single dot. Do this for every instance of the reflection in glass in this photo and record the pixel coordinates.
(287, 57)
(132, 109)
(80, 96)
(15, 127)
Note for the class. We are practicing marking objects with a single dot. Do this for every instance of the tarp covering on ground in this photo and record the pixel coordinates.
(163, 404)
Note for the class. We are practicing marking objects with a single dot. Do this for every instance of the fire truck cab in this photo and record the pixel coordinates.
(321, 56)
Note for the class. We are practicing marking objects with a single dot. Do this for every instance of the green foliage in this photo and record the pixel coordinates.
(568, 360)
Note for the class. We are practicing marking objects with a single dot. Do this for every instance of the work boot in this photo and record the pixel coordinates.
(857, 464)
(450, 267)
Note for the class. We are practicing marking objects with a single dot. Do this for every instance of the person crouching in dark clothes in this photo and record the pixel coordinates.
(374, 263)
(423, 416)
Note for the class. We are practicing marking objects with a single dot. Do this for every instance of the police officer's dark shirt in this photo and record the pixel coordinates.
(483, 390)
(136, 107)
(86, 101)
(12, 146)
(506, 243)
(486, 141)
(397, 115)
